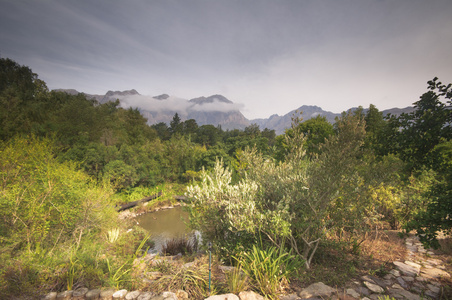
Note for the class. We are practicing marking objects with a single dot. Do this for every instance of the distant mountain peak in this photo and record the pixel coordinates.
(123, 93)
(210, 99)
(161, 97)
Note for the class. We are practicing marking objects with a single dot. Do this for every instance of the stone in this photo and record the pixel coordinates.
(159, 297)
(363, 291)
(318, 289)
(408, 278)
(373, 287)
(182, 294)
(107, 294)
(132, 295)
(430, 294)
(79, 294)
(421, 279)
(434, 273)
(343, 297)
(121, 294)
(403, 294)
(146, 296)
(169, 296)
(292, 296)
(413, 264)
(397, 286)
(406, 269)
(435, 289)
(402, 283)
(223, 297)
(226, 269)
(365, 298)
(389, 277)
(188, 265)
(367, 278)
(154, 275)
(93, 294)
(50, 296)
(66, 295)
(396, 273)
(250, 295)
(353, 293)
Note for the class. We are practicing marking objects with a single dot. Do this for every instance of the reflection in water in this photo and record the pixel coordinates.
(165, 224)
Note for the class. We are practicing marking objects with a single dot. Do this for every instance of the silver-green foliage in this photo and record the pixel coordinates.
(295, 202)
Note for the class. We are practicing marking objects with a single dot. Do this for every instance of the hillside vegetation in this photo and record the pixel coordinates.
(66, 161)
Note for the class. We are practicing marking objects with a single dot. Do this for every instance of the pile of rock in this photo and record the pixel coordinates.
(111, 294)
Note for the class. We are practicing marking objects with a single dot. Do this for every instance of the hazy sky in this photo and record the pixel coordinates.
(268, 56)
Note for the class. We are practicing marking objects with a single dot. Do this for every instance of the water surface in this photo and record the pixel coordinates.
(165, 224)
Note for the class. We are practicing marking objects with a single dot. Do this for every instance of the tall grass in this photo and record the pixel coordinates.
(183, 245)
(269, 268)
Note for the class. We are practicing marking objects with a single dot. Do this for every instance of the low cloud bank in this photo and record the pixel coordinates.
(180, 105)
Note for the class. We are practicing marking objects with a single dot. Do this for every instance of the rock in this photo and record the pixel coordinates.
(406, 269)
(373, 287)
(435, 289)
(367, 278)
(121, 294)
(403, 294)
(353, 293)
(182, 294)
(396, 273)
(133, 295)
(154, 275)
(430, 294)
(93, 294)
(107, 294)
(250, 295)
(342, 297)
(188, 265)
(79, 294)
(318, 289)
(389, 277)
(414, 265)
(402, 283)
(293, 296)
(160, 297)
(66, 295)
(408, 278)
(363, 291)
(169, 296)
(223, 297)
(434, 273)
(146, 296)
(226, 269)
(50, 296)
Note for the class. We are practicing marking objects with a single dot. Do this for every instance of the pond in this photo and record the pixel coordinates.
(165, 224)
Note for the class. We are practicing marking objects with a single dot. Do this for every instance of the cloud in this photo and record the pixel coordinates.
(217, 106)
(182, 106)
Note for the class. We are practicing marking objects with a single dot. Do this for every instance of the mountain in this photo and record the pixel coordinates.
(213, 110)
(281, 123)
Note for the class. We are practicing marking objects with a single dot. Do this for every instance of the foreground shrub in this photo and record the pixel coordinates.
(183, 245)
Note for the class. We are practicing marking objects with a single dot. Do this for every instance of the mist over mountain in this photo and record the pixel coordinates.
(213, 110)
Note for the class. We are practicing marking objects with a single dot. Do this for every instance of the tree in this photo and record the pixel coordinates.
(317, 130)
(176, 126)
(416, 134)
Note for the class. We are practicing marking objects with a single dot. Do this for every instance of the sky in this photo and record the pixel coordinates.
(268, 57)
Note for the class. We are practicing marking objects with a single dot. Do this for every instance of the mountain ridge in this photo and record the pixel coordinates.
(216, 110)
